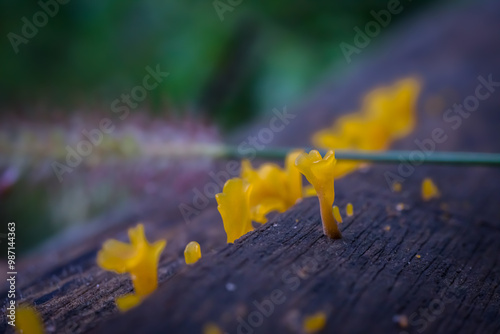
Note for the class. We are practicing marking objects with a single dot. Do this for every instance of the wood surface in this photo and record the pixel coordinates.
(436, 262)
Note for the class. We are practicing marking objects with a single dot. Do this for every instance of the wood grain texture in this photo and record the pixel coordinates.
(361, 281)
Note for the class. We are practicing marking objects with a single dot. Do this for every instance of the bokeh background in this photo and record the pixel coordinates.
(224, 74)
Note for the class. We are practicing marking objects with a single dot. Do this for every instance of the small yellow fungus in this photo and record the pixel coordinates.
(268, 193)
(336, 214)
(128, 301)
(293, 178)
(387, 228)
(260, 210)
(320, 173)
(352, 131)
(273, 188)
(234, 208)
(28, 321)
(397, 187)
(257, 192)
(211, 328)
(192, 252)
(309, 191)
(418, 256)
(395, 106)
(429, 190)
(349, 210)
(139, 259)
(387, 114)
(314, 323)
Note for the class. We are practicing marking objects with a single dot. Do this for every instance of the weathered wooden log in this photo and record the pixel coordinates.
(438, 267)
(435, 262)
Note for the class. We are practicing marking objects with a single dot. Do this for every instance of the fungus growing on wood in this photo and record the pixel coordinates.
(28, 321)
(309, 191)
(320, 173)
(234, 208)
(387, 114)
(273, 188)
(429, 189)
(394, 106)
(192, 252)
(128, 301)
(258, 192)
(352, 131)
(397, 187)
(139, 259)
(336, 214)
(211, 328)
(315, 322)
(349, 210)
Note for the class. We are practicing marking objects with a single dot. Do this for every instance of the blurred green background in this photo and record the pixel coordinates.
(262, 54)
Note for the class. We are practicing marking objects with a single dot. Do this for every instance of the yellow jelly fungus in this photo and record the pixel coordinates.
(314, 323)
(139, 259)
(273, 188)
(28, 321)
(234, 208)
(320, 173)
(429, 190)
(336, 214)
(293, 182)
(387, 228)
(397, 187)
(349, 210)
(352, 132)
(192, 252)
(128, 301)
(394, 106)
(309, 191)
(418, 256)
(387, 114)
(211, 328)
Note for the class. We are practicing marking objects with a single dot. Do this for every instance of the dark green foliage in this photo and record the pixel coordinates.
(262, 55)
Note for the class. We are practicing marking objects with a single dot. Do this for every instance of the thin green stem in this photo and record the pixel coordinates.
(389, 157)
(181, 151)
